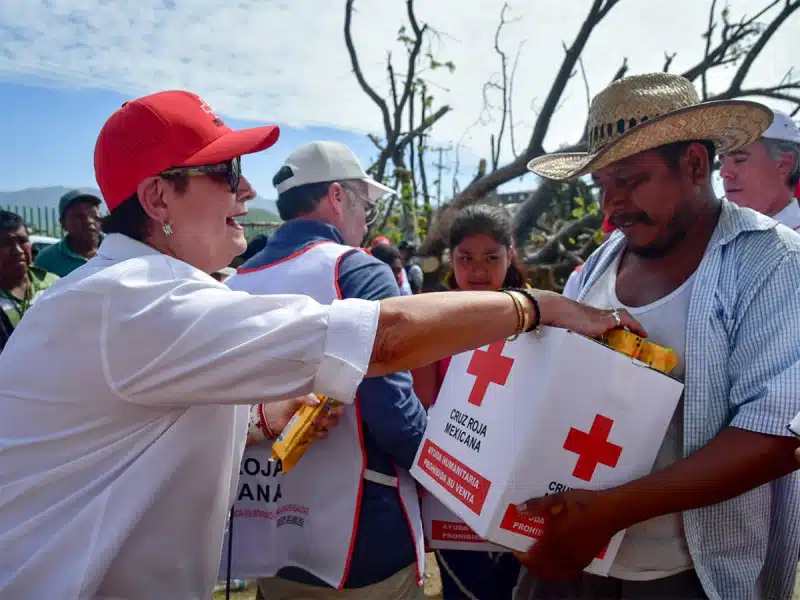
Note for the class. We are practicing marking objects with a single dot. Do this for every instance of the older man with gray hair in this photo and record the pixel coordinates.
(763, 175)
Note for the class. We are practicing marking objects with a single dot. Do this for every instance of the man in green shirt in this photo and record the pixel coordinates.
(79, 213)
(20, 282)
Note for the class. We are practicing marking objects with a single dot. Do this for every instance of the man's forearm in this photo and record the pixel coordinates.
(734, 462)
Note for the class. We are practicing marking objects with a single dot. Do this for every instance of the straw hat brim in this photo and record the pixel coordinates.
(729, 124)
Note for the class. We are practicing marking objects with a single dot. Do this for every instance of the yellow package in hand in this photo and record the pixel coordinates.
(624, 341)
(658, 357)
(296, 437)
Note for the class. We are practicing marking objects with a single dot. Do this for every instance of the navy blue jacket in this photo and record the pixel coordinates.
(392, 416)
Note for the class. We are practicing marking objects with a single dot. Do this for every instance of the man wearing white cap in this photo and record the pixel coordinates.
(763, 175)
(367, 544)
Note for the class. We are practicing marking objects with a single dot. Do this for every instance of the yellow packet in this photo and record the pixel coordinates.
(658, 357)
(624, 341)
(296, 438)
(655, 356)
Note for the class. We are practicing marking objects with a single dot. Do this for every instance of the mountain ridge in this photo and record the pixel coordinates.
(47, 197)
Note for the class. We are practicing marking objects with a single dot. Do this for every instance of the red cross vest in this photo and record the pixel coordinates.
(307, 518)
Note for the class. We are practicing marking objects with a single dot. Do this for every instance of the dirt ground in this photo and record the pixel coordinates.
(433, 585)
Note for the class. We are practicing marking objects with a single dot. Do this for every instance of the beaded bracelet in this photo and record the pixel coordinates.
(537, 320)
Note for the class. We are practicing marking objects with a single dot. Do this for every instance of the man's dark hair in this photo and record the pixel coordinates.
(672, 153)
(298, 201)
(386, 254)
(129, 217)
(10, 221)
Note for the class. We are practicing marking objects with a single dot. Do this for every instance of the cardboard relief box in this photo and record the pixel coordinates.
(523, 419)
(445, 530)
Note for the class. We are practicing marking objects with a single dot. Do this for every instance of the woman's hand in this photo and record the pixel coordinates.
(560, 311)
(278, 415)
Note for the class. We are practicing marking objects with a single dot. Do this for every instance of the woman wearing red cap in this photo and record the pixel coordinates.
(120, 454)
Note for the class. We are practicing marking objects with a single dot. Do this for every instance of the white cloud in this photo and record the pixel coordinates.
(285, 61)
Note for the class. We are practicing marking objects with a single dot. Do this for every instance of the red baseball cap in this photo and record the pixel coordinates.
(165, 130)
(381, 241)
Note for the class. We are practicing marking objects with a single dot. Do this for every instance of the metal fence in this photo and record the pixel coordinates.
(252, 230)
(40, 220)
(44, 221)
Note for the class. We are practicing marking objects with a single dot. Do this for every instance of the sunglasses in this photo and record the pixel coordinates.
(370, 207)
(231, 169)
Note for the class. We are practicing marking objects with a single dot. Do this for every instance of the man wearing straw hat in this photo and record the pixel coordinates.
(718, 517)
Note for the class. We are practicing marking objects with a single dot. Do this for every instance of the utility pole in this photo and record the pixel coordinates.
(440, 169)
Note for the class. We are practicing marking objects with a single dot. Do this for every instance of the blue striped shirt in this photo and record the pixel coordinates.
(742, 370)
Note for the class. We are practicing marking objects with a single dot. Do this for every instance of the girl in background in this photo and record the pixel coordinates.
(482, 257)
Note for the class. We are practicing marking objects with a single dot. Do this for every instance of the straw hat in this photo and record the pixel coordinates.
(647, 111)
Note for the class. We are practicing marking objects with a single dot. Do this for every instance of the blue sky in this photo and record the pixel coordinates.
(65, 65)
(50, 132)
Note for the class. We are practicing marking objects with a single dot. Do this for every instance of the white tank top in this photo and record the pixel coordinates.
(656, 548)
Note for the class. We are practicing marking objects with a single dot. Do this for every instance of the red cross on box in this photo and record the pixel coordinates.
(592, 448)
(488, 366)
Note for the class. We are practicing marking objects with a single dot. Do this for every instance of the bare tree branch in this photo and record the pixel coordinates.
(668, 58)
(426, 124)
(534, 207)
(708, 36)
(571, 230)
(497, 142)
(511, 124)
(729, 48)
(392, 83)
(395, 141)
(622, 71)
(585, 84)
(752, 55)
(351, 50)
(518, 166)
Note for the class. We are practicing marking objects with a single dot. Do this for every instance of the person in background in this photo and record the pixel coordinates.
(719, 515)
(482, 257)
(327, 202)
(79, 213)
(764, 175)
(571, 287)
(413, 271)
(391, 256)
(405, 286)
(21, 283)
(255, 246)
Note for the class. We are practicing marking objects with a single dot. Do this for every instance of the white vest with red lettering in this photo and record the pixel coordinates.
(307, 518)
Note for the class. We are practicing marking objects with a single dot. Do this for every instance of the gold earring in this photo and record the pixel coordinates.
(167, 228)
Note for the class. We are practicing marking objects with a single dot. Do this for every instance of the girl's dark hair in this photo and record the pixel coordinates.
(482, 219)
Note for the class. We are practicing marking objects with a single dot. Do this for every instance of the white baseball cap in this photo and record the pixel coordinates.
(782, 128)
(320, 162)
